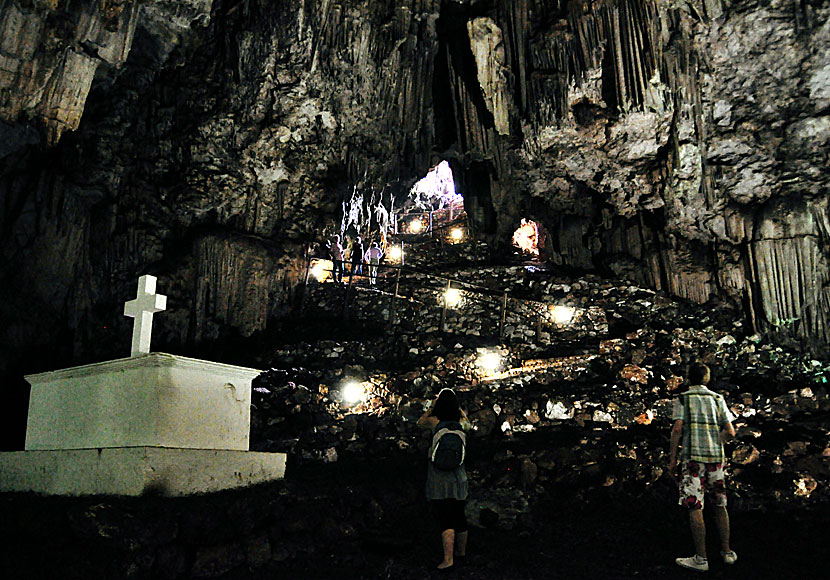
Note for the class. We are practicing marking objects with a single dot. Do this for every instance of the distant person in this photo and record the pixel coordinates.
(702, 423)
(446, 487)
(357, 256)
(336, 253)
(372, 257)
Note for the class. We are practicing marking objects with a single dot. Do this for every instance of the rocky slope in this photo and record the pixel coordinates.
(679, 144)
(567, 453)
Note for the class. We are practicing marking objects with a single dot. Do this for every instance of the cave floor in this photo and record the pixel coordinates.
(574, 527)
(608, 535)
(638, 540)
(601, 532)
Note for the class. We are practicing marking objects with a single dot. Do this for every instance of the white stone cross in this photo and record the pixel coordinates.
(146, 303)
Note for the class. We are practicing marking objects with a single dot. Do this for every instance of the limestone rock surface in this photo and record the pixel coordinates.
(681, 145)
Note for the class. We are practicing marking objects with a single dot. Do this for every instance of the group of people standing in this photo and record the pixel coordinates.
(357, 258)
(701, 423)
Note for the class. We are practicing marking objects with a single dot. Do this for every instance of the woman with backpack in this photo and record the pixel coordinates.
(446, 487)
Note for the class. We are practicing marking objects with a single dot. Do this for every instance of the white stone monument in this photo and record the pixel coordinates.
(152, 422)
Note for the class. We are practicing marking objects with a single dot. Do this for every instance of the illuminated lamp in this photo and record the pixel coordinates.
(562, 314)
(416, 226)
(353, 393)
(457, 234)
(395, 253)
(489, 362)
(320, 269)
(452, 297)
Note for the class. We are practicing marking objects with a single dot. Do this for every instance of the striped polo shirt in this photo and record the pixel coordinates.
(704, 414)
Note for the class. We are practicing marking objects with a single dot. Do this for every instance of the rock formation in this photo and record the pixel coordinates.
(680, 144)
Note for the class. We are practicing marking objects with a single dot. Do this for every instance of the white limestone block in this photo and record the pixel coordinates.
(150, 400)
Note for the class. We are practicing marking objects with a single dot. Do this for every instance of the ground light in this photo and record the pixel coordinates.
(416, 226)
(489, 362)
(353, 392)
(457, 234)
(395, 253)
(562, 314)
(320, 269)
(452, 297)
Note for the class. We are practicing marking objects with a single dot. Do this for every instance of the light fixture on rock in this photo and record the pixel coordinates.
(353, 393)
(526, 237)
(452, 297)
(457, 234)
(562, 314)
(320, 269)
(416, 226)
(489, 361)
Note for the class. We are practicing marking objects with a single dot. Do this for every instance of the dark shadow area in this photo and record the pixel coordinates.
(365, 520)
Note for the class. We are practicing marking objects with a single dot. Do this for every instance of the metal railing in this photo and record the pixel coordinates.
(388, 283)
(427, 221)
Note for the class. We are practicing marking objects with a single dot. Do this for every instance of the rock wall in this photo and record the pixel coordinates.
(212, 157)
(49, 55)
(669, 143)
(678, 144)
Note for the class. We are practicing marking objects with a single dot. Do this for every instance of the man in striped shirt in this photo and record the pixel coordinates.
(702, 422)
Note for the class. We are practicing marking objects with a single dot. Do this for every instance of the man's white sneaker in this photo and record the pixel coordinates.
(729, 557)
(694, 563)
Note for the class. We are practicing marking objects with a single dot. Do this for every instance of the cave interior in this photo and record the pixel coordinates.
(619, 188)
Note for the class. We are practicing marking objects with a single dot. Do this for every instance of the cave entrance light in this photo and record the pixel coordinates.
(562, 315)
(433, 202)
(452, 297)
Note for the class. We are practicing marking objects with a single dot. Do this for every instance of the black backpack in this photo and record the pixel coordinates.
(448, 447)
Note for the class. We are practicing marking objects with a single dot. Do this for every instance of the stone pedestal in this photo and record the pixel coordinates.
(153, 423)
(136, 471)
(156, 399)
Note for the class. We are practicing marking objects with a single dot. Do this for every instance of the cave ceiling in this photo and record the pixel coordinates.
(680, 144)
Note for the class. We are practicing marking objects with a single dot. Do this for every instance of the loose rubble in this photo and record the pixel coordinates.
(573, 407)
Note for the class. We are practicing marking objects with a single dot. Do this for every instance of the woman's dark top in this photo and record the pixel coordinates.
(445, 484)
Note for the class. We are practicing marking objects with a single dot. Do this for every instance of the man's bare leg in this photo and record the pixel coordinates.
(698, 528)
(722, 523)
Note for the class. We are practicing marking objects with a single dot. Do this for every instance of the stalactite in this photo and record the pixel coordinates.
(619, 62)
(235, 283)
(623, 33)
(515, 18)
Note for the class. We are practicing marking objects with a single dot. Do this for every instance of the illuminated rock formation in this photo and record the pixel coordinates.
(679, 144)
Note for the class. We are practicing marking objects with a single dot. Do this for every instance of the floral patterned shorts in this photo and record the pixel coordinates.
(696, 479)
